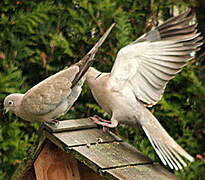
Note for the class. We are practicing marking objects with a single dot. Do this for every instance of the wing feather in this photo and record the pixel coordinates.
(152, 60)
(158, 81)
(50, 93)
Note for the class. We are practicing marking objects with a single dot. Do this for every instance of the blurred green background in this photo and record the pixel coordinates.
(39, 38)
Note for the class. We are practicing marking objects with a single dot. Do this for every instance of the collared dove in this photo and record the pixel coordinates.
(138, 79)
(55, 95)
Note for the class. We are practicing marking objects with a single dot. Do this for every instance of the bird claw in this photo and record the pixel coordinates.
(98, 118)
(105, 129)
(53, 122)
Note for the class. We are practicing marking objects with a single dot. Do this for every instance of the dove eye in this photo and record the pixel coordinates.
(10, 102)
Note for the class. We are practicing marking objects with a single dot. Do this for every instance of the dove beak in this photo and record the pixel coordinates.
(5, 111)
(98, 76)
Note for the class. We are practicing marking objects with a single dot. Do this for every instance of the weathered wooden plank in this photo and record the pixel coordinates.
(142, 172)
(72, 124)
(109, 155)
(52, 163)
(84, 137)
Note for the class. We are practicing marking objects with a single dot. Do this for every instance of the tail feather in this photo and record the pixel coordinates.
(158, 151)
(166, 159)
(175, 162)
(88, 59)
(166, 148)
(178, 157)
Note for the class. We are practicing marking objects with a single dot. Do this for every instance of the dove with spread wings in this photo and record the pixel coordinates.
(138, 79)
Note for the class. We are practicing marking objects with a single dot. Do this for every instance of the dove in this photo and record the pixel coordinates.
(55, 95)
(138, 79)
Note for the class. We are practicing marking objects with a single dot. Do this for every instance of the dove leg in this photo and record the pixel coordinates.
(105, 129)
(53, 122)
(105, 123)
(98, 118)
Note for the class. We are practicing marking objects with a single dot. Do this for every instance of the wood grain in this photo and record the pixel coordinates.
(110, 155)
(54, 164)
(83, 137)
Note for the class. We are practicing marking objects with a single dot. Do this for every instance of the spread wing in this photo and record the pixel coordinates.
(152, 60)
(50, 93)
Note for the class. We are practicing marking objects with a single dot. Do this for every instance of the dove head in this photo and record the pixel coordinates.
(96, 79)
(12, 102)
(92, 74)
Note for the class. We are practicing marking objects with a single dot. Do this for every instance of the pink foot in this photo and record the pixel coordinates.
(98, 120)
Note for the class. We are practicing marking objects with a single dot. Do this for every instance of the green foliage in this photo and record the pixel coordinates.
(38, 38)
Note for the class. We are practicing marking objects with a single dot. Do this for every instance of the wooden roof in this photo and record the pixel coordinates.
(104, 153)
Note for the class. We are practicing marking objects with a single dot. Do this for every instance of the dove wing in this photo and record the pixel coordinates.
(48, 94)
(151, 61)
